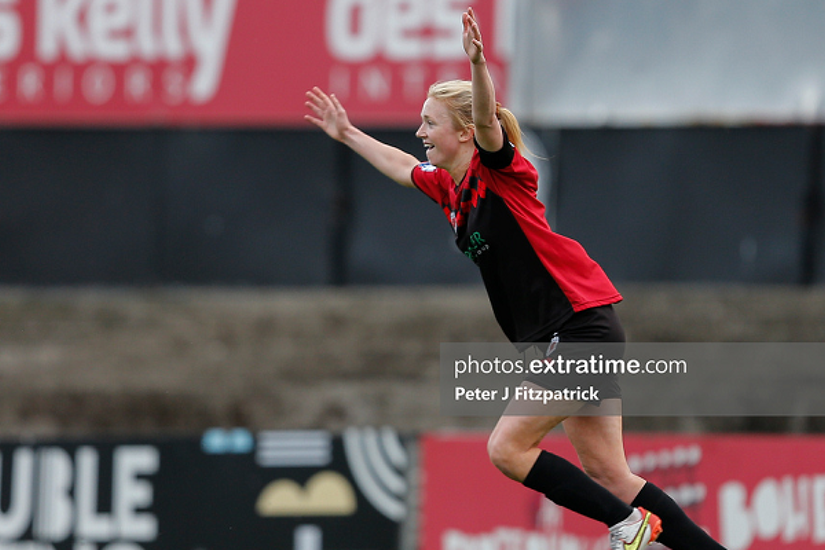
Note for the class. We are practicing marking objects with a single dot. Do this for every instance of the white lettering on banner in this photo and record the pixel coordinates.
(11, 33)
(138, 84)
(15, 520)
(381, 33)
(509, 538)
(548, 535)
(30, 88)
(53, 520)
(90, 524)
(109, 32)
(98, 84)
(210, 39)
(400, 30)
(376, 83)
(57, 495)
(790, 509)
(130, 493)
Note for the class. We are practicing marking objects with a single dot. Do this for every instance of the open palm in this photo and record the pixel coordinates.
(329, 114)
(471, 37)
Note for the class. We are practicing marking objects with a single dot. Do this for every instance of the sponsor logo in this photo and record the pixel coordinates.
(787, 510)
(97, 51)
(386, 51)
(55, 495)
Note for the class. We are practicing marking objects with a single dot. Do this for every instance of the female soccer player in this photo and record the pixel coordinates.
(543, 287)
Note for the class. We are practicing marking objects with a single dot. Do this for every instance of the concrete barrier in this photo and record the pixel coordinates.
(135, 361)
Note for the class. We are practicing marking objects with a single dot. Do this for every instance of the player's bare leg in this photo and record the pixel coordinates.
(514, 449)
(599, 444)
(513, 445)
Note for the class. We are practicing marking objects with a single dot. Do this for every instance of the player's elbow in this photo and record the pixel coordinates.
(486, 123)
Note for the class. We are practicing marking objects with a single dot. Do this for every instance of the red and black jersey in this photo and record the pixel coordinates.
(535, 278)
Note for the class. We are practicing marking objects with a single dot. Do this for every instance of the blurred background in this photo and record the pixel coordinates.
(194, 278)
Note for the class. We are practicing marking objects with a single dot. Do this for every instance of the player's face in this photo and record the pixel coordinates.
(442, 141)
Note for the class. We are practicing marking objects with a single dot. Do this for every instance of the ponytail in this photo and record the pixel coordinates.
(510, 124)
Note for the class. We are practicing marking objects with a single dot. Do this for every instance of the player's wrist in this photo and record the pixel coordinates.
(348, 134)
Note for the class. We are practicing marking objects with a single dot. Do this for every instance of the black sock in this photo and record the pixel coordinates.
(570, 487)
(679, 532)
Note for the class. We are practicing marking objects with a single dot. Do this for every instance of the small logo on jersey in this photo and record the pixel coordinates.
(427, 167)
(477, 247)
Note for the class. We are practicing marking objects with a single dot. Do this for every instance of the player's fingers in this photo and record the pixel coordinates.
(314, 99)
(475, 28)
(471, 18)
(319, 98)
(336, 103)
(315, 121)
(314, 108)
(467, 37)
(320, 93)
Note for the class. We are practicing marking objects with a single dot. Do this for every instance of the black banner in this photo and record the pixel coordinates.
(230, 489)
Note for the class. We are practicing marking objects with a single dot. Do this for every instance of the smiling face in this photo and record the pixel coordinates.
(443, 143)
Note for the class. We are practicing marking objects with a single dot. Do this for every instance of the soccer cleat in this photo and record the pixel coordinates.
(637, 531)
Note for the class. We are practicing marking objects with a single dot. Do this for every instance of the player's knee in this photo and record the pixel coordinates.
(503, 454)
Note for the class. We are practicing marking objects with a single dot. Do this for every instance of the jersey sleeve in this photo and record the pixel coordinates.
(426, 178)
(509, 169)
(497, 160)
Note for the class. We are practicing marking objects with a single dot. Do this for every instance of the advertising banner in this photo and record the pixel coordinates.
(231, 62)
(748, 492)
(291, 490)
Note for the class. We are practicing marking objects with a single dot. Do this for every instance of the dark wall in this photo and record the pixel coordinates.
(696, 204)
(164, 207)
(296, 208)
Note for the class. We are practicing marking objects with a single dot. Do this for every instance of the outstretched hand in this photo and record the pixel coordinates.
(330, 115)
(471, 37)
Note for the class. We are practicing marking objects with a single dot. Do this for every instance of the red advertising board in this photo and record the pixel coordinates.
(749, 492)
(231, 62)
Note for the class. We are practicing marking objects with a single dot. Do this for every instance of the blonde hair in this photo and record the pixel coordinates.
(458, 96)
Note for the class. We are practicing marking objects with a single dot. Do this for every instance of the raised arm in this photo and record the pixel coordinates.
(487, 126)
(331, 117)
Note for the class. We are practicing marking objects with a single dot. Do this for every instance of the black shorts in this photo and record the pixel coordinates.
(590, 336)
